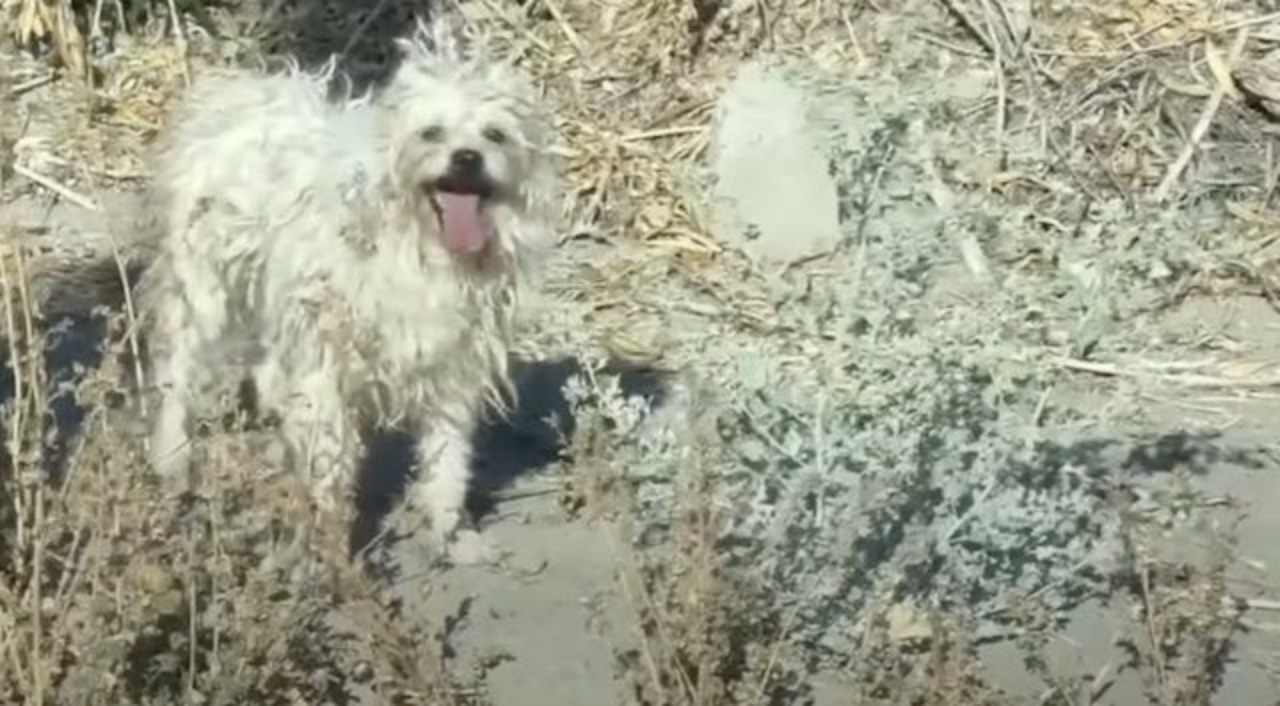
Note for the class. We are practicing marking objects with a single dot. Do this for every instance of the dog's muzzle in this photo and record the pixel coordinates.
(460, 199)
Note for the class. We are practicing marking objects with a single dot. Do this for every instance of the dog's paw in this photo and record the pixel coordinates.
(467, 547)
(444, 523)
(328, 498)
(459, 543)
(172, 471)
(169, 459)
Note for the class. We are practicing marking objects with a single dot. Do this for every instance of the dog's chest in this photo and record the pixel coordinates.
(401, 322)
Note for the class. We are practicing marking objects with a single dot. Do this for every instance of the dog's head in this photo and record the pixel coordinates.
(469, 147)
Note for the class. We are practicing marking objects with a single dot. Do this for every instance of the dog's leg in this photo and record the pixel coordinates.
(322, 438)
(267, 378)
(444, 471)
(190, 309)
(440, 490)
(175, 370)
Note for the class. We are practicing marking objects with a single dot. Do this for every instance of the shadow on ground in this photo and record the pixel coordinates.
(359, 33)
(526, 441)
(73, 347)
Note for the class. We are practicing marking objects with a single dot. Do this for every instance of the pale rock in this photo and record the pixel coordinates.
(774, 197)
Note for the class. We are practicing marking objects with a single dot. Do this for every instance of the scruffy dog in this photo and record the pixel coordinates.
(359, 261)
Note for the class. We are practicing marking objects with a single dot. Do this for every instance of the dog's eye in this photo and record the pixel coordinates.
(431, 134)
(495, 135)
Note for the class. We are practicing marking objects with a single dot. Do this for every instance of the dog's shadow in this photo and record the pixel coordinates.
(507, 448)
(72, 347)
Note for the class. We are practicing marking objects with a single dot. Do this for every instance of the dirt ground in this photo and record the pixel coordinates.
(968, 416)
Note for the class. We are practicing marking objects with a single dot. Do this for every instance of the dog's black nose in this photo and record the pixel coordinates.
(466, 161)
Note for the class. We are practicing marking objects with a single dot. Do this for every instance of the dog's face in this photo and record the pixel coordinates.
(468, 149)
(464, 153)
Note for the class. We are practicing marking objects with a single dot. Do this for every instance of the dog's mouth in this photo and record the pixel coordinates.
(466, 225)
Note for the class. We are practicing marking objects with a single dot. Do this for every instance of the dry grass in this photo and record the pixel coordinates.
(699, 639)
(112, 593)
(230, 598)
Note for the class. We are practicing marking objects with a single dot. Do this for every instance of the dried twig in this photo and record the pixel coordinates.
(1211, 106)
(970, 25)
(60, 189)
(180, 39)
(31, 85)
(1186, 379)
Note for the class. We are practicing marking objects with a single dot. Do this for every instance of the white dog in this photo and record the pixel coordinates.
(371, 252)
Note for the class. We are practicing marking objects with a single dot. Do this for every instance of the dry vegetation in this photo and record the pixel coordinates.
(856, 478)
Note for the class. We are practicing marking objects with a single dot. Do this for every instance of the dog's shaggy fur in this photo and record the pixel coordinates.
(340, 240)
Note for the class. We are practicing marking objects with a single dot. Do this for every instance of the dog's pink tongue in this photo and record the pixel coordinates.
(466, 229)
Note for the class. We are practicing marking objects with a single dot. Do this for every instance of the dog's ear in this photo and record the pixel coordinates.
(442, 38)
